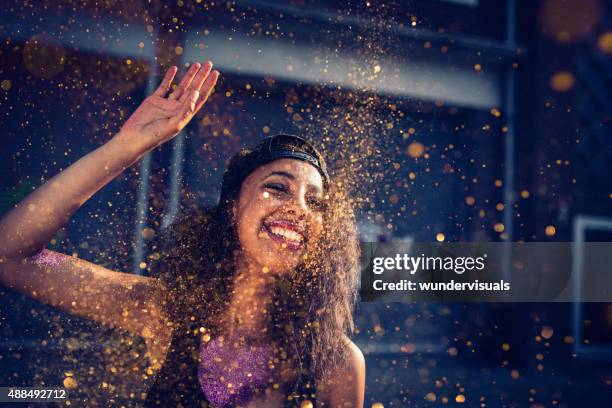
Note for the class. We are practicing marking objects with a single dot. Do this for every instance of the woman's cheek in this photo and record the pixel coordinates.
(316, 228)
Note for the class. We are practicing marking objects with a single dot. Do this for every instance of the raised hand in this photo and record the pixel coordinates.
(161, 116)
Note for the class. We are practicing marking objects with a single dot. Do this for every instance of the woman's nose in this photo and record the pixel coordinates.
(298, 205)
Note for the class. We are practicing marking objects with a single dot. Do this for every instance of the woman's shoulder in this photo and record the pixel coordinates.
(346, 387)
(356, 360)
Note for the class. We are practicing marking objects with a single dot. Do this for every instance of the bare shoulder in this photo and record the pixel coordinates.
(346, 388)
(356, 361)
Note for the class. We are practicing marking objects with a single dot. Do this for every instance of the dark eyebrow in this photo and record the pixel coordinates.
(291, 177)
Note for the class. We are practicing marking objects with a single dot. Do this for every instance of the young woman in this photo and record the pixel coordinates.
(253, 304)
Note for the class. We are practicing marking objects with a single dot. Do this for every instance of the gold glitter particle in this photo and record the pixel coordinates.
(477, 67)
(411, 175)
(524, 194)
(178, 50)
(505, 347)
(146, 333)
(460, 399)
(499, 227)
(469, 200)
(562, 81)
(568, 340)
(266, 194)
(306, 404)
(142, 265)
(265, 269)
(378, 405)
(5, 85)
(547, 332)
(376, 69)
(416, 149)
(70, 383)
(440, 237)
(514, 374)
(430, 397)
(266, 129)
(44, 56)
(605, 43)
(453, 351)
(550, 230)
(147, 233)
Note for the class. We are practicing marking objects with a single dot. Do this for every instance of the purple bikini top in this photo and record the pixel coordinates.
(231, 374)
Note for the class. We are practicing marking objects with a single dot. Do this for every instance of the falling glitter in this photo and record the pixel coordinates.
(44, 56)
(547, 332)
(562, 81)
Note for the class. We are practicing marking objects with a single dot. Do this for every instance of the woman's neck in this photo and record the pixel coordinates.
(249, 306)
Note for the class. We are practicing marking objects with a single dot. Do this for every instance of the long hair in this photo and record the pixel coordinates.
(312, 305)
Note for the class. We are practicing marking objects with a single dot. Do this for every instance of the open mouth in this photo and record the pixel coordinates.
(288, 234)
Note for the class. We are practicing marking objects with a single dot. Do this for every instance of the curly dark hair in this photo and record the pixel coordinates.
(312, 306)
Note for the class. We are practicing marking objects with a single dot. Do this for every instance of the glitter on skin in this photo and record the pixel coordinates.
(46, 258)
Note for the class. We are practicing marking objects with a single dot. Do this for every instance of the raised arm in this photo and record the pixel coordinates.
(77, 286)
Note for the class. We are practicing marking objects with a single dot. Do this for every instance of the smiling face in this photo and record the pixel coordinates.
(279, 214)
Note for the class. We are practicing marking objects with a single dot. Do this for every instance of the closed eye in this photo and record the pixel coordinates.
(276, 187)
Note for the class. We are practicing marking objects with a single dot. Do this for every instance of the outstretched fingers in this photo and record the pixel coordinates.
(185, 82)
(194, 97)
(206, 90)
(164, 87)
(197, 81)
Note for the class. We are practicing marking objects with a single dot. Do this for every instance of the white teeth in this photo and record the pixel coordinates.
(287, 234)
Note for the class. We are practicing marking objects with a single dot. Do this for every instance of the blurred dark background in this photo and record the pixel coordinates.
(471, 120)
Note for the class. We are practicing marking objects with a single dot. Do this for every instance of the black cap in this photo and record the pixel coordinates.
(281, 146)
